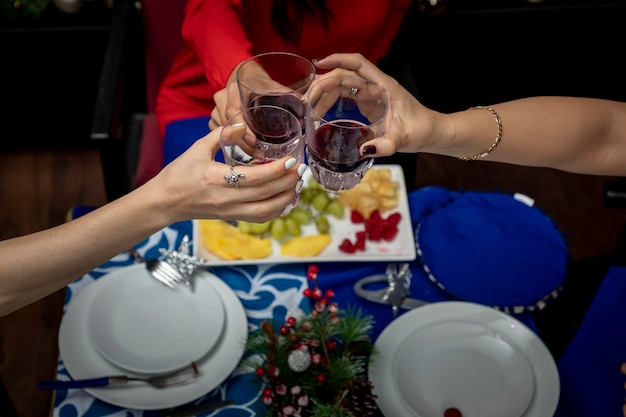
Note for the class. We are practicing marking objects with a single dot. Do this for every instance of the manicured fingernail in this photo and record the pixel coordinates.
(290, 163)
(302, 169)
(314, 60)
(369, 150)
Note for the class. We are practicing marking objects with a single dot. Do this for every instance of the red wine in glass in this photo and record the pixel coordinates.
(289, 102)
(336, 145)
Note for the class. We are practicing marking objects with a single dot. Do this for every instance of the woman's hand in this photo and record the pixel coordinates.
(195, 186)
(410, 127)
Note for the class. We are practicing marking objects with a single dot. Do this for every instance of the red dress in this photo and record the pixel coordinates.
(218, 34)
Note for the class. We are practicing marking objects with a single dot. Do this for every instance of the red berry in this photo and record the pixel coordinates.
(347, 246)
(320, 378)
(394, 218)
(375, 216)
(317, 294)
(361, 237)
(329, 294)
(307, 292)
(375, 233)
(312, 272)
(389, 233)
(356, 217)
(452, 412)
(284, 330)
(260, 371)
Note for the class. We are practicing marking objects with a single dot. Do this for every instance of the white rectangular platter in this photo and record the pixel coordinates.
(402, 248)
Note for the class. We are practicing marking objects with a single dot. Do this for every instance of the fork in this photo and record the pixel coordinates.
(160, 381)
(159, 269)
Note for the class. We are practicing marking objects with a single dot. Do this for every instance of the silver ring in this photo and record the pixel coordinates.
(233, 178)
(353, 92)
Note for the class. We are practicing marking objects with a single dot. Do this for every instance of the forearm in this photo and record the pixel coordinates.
(570, 134)
(35, 265)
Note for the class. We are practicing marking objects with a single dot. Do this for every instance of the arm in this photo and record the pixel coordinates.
(191, 187)
(581, 135)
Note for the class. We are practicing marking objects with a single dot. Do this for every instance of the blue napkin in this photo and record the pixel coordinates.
(461, 230)
(591, 381)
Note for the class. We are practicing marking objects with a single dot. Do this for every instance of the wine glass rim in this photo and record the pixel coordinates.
(256, 57)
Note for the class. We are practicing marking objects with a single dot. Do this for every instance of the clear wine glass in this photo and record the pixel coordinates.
(278, 134)
(275, 78)
(342, 113)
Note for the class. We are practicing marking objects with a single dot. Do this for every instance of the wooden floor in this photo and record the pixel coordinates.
(37, 188)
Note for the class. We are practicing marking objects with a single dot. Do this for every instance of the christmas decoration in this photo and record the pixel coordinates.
(315, 364)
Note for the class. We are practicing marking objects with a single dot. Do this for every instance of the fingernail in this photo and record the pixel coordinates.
(369, 150)
(302, 169)
(290, 163)
(315, 60)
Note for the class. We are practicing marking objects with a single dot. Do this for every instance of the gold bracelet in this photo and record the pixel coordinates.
(495, 142)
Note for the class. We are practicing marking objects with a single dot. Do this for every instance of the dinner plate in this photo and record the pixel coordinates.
(464, 356)
(402, 248)
(143, 326)
(83, 361)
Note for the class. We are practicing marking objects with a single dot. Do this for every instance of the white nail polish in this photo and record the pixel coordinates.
(290, 163)
(301, 169)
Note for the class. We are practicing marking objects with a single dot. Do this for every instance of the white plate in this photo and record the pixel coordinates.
(465, 356)
(83, 361)
(143, 326)
(402, 248)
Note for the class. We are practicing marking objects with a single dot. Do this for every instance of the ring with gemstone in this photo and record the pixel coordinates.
(233, 178)
(353, 92)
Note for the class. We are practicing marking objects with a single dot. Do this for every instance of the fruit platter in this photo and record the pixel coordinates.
(370, 222)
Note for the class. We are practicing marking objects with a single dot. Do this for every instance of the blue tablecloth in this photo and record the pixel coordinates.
(516, 234)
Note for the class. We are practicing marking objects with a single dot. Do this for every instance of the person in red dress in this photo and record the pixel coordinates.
(219, 34)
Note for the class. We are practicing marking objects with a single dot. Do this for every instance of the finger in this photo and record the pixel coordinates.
(353, 62)
(381, 146)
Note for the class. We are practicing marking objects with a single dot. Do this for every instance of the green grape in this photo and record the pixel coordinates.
(335, 208)
(293, 226)
(320, 201)
(306, 195)
(321, 224)
(300, 215)
(244, 227)
(278, 228)
(314, 184)
(260, 228)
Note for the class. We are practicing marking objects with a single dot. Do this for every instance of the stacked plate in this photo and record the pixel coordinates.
(128, 323)
(460, 358)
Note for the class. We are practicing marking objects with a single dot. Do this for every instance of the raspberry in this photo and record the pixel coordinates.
(356, 217)
(347, 246)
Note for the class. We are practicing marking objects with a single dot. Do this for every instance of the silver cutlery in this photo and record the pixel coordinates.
(159, 269)
(160, 381)
(396, 294)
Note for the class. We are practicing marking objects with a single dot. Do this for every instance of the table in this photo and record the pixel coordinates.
(250, 280)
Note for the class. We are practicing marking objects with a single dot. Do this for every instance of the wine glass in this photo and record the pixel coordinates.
(278, 134)
(342, 113)
(275, 78)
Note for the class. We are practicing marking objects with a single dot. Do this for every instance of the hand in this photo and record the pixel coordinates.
(227, 102)
(193, 186)
(410, 126)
